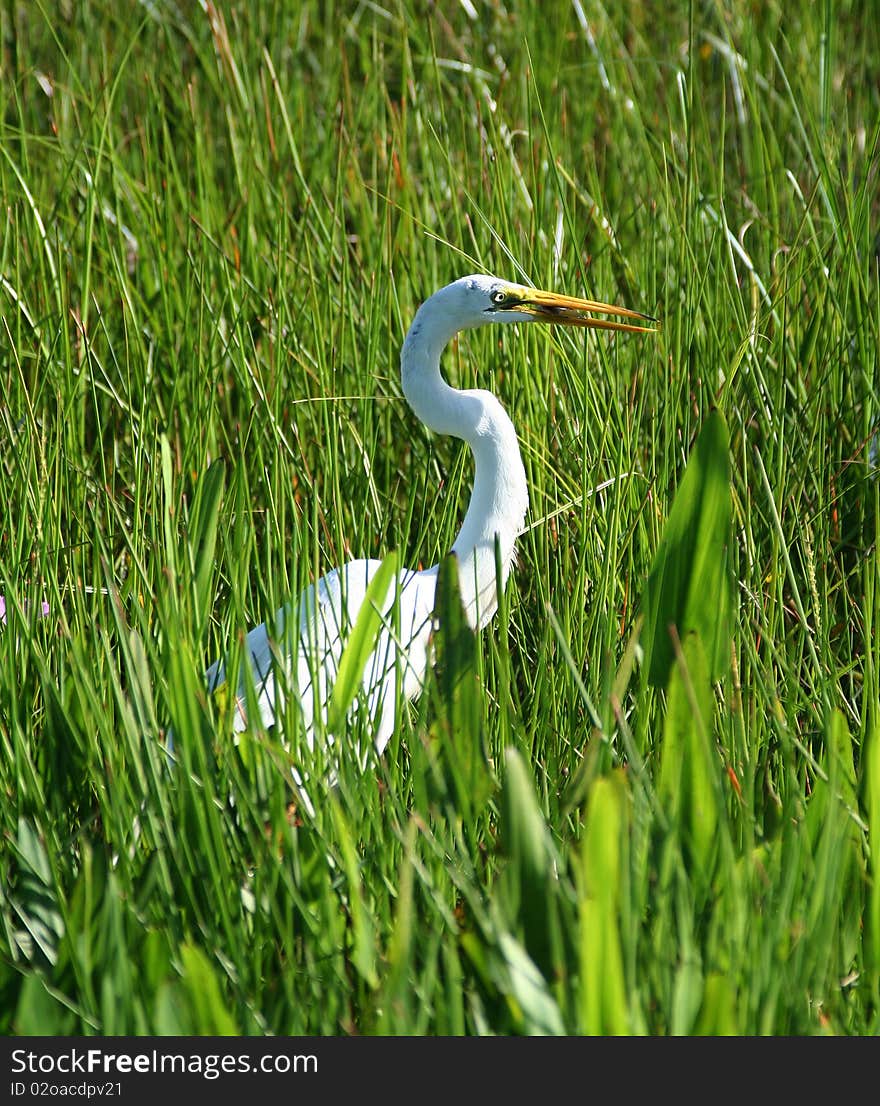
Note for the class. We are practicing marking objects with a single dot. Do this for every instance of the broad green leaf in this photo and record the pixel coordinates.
(528, 987)
(602, 1001)
(397, 996)
(32, 851)
(835, 794)
(718, 1016)
(209, 1013)
(457, 729)
(39, 923)
(529, 887)
(689, 586)
(39, 1013)
(689, 769)
(364, 951)
(360, 644)
(836, 837)
(455, 651)
(171, 1015)
(687, 996)
(524, 833)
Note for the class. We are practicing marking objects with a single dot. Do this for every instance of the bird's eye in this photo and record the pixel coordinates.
(499, 297)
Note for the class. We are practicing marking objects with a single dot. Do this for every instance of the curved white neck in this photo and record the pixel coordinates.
(499, 498)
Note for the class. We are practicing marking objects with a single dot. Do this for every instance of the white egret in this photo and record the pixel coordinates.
(298, 653)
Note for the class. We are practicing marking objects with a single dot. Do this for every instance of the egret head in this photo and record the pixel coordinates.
(477, 300)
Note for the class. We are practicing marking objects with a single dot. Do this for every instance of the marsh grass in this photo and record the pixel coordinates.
(218, 227)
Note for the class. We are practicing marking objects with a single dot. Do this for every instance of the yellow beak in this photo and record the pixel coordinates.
(571, 311)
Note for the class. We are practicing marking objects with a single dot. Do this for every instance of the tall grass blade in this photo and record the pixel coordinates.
(689, 587)
(203, 539)
(361, 643)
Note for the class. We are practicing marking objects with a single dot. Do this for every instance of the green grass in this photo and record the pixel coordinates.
(215, 239)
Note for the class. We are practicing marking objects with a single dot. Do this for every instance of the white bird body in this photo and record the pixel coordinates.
(299, 654)
(315, 628)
